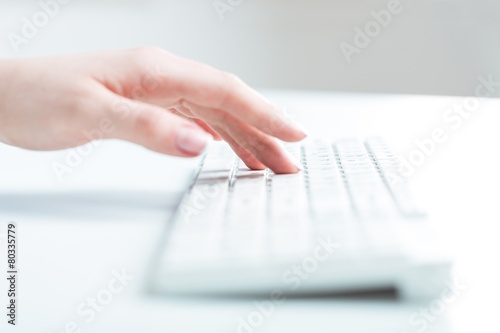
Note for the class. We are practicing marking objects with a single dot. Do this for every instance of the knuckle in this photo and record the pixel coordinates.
(145, 55)
(147, 51)
(226, 93)
(232, 79)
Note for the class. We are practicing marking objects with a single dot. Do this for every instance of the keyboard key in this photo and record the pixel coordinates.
(342, 191)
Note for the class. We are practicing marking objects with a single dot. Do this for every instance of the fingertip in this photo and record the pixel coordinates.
(300, 129)
(287, 130)
(296, 131)
(288, 168)
(191, 140)
(254, 164)
(284, 163)
(294, 161)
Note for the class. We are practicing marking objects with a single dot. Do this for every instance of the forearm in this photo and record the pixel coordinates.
(6, 72)
(10, 72)
(5, 79)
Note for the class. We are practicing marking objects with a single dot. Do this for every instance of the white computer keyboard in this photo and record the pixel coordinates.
(347, 219)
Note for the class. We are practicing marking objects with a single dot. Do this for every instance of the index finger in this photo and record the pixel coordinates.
(208, 87)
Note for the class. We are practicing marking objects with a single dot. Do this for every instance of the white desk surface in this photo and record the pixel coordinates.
(108, 214)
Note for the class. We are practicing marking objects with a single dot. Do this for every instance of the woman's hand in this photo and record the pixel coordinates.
(147, 96)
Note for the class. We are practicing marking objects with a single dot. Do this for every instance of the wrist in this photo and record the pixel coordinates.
(7, 72)
(7, 68)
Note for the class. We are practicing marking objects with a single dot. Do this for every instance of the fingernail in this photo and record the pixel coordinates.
(191, 140)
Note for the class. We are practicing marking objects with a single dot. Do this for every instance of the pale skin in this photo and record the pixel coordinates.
(150, 97)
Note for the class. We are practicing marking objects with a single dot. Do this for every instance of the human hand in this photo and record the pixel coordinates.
(54, 102)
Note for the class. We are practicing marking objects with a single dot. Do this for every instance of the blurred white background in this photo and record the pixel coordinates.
(431, 47)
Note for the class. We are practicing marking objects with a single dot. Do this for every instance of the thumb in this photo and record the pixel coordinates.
(157, 129)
